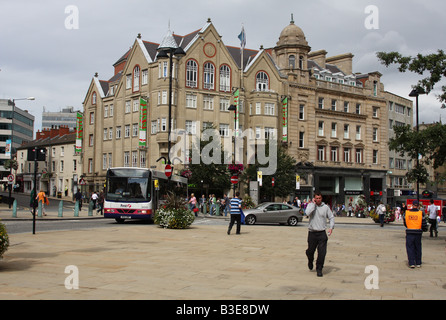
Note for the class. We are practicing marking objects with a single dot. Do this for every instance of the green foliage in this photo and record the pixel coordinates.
(4, 239)
(429, 143)
(434, 64)
(247, 202)
(174, 213)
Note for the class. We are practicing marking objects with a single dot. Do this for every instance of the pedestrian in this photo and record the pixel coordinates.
(236, 210)
(381, 211)
(203, 204)
(432, 210)
(226, 203)
(101, 203)
(318, 212)
(32, 201)
(415, 224)
(78, 197)
(41, 197)
(94, 198)
(193, 204)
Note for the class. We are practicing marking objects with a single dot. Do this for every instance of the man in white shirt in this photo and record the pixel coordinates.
(432, 211)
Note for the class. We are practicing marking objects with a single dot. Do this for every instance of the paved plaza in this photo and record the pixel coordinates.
(139, 261)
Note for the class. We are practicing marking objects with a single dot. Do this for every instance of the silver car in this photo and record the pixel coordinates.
(272, 212)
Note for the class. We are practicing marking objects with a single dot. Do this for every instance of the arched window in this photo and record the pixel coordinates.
(262, 83)
(93, 98)
(191, 74)
(301, 62)
(292, 61)
(225, 78)
(209, 76)
(136, 79)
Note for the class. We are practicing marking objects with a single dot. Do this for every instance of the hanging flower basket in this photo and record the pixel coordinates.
(236, 169)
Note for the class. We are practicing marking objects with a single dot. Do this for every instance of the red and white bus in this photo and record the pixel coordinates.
(135, 193)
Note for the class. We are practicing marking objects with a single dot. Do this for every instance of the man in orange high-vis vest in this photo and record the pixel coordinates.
(415, 223)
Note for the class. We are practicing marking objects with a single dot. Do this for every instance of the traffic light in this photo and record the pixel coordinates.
(41, 154)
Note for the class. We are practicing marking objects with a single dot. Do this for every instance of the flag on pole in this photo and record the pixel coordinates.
(242, 37)
(237, 111)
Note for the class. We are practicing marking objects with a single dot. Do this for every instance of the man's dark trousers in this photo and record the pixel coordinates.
(413, 247)
(317, 240)
(235, 218)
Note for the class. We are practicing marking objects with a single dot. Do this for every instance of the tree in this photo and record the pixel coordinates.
(429, 144)
(434, 64)
(284, 178)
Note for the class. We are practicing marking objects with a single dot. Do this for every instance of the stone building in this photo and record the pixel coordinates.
(333, 120)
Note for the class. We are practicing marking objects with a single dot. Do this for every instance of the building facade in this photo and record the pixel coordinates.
(59, 174)
(65, 117)
(332, 120)
(17, 126)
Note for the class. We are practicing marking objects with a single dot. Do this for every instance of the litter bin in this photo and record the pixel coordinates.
(59, 194)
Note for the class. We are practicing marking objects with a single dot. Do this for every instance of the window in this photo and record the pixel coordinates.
(90, 165)
(127, 131)
(334, 127)
(321, 153)
(142, 159)
(224, 130)
(163, 124)
(375, 156)
(346, 106)
(136, 71)
(105, 111)
(91, 117)
(334, 154)
(346, 131)
(191, 127)
(135, 130)
(358, 132)
(224, 104)
(93, 98)
(347, 152)
(209, 76)
(118, 132)
(321, 128)
(333, 104)
(105, 134)
(110, 133)
(225, 78)
(110, 158)
(301, 62)
(359, 155)
(128, 81)
(301, 112)
(208, 103)
(375, 112)
(154, 127)
(145, 77)
(292, 61)
(126, 159)
(301, 139)
(191, 101)
(358, 108)
(134, 158)
(104, 161)
(136, 105)
(61, 166)
(262, 83)
(269, 109)
(74, 165)
(270, 133)
(91, 140)
(191, 74)
(111, 111)
(375, 134)
(258, 108)
(321, 103)
(127, 106)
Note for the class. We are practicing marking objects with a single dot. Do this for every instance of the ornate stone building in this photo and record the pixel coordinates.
(335, 121)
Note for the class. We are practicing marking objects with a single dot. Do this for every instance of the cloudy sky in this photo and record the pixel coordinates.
(44, 55)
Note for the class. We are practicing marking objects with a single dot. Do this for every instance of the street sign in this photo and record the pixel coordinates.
(234, 179)
(168, 170)
(82, 182)
(11, 178)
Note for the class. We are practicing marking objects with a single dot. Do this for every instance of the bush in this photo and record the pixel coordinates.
(4, 239)
(174, 214)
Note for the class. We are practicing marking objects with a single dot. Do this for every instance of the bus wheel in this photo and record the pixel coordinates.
(119, 220)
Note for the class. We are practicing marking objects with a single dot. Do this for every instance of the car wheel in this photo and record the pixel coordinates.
(250, 219)
(293, 221)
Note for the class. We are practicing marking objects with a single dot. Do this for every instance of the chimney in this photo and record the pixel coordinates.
(318, 57)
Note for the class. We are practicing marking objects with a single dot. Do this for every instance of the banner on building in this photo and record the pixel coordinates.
(8, 149)
(285, 119)
(142, 123)
(79, 131)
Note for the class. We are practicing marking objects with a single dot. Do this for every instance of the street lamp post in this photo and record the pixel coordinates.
(167, 49)
(233, 107)
(415, 93)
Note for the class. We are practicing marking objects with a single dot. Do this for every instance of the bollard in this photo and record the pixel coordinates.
(60, 214)
(217, 209)
(90, 209)
(204, 208)
(39, 209)
(76, 208)
(14, 209)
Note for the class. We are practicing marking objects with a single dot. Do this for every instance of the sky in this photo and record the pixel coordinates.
(51, 49)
